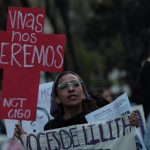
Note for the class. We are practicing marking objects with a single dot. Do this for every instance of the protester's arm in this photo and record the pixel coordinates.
(134, 119)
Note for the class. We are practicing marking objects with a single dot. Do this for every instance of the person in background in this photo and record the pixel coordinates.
(2, 128)
(105, 94)
(102, 96)
(70, 102)
(144, 81)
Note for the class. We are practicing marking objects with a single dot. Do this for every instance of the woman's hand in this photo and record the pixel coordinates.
(134, 119)
(19, 131)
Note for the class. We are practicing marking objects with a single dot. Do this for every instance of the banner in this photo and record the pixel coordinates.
(117, 134)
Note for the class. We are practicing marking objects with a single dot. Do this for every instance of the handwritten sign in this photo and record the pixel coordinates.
(113, 135)
(24, 52)
(42, 115)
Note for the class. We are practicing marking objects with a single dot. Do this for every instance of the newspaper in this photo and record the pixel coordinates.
(111, 111)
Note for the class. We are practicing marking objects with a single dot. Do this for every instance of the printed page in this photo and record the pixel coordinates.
(115, 109)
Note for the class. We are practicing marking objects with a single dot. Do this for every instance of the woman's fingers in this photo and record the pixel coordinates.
(134, 119)
(18, 131)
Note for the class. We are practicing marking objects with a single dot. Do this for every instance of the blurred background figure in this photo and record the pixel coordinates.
(2, 127)
(105, 94)
(144, 81)
(102, 96)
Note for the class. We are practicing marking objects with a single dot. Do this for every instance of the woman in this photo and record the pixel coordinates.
(70, 103)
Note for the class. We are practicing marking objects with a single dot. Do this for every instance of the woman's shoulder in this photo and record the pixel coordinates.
(52, 124)
(60, 122)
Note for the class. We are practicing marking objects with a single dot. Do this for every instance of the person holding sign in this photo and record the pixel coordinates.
(70, 103)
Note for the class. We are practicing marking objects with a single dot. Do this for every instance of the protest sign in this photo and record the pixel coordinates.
(119, 107)
(114, 135)
(24, 52)
(43, 113)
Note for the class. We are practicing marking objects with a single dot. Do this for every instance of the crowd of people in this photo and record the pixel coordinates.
(70, 102)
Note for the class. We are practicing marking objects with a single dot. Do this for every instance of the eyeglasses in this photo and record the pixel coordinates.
(74, 84)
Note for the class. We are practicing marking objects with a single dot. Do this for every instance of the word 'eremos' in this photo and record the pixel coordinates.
(32, 55)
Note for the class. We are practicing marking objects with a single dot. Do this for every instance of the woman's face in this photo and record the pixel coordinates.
(69, 91)
(107, 95)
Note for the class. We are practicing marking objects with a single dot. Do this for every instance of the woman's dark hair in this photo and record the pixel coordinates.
(96, 95)
(56, 109)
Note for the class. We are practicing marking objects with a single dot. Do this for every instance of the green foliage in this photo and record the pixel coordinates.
(106, 34)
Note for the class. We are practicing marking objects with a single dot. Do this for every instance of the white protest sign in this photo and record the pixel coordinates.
(117, 134)
(43, 113)
(115, 109)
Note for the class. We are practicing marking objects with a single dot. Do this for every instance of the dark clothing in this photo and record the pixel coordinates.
(60, 122)
(144, 81)
(88, 105)
(2, 128)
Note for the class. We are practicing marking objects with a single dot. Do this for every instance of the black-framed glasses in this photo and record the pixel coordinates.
(73, 84)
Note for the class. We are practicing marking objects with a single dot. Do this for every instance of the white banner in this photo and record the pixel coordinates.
(113, 135)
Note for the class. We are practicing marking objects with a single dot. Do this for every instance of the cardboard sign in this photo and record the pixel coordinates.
(24, 52)
(113, 135)
(43, 113)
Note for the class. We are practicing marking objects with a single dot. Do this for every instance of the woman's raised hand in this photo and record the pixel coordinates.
(134, 119)
(19, 131)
